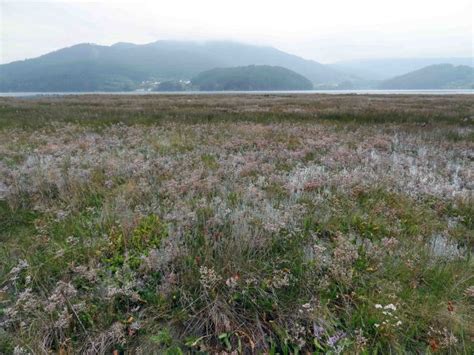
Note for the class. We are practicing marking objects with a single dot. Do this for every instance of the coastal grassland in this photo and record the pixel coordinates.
(248, 223)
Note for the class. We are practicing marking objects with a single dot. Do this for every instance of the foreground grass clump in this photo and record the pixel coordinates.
(236, 224)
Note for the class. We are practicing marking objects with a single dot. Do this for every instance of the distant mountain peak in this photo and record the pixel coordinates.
(386, 68)
(436, 76)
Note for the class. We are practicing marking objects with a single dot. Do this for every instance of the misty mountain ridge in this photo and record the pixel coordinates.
(127, 66)
(91, 67)
(386, 68)
(439, 76)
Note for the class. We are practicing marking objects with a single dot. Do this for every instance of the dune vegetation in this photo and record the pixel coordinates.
(276, 224)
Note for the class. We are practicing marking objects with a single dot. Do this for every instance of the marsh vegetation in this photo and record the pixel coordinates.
(249, 224)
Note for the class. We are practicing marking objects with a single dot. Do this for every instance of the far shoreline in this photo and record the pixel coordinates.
(266, 92)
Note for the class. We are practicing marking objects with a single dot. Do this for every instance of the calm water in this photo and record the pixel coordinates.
(306, 92)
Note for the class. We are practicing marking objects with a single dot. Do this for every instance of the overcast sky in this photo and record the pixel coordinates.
(323, 30)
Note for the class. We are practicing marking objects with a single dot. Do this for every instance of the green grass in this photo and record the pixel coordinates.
(107, 110)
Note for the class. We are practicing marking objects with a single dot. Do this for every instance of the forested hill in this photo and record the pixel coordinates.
(253, 77)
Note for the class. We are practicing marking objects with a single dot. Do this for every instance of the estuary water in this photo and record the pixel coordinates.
(306, 92)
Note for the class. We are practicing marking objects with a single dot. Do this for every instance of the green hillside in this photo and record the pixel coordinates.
(252, 77)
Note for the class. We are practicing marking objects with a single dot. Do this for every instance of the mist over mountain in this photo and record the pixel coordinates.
(90, 67)
(440, 76)
(382, 69)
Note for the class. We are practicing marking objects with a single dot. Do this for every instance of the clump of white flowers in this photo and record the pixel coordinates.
(209, 277)
(16, 271)
(389, 317)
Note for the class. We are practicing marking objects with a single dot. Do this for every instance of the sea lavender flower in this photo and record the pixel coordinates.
(318, 331)
(334, 339)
